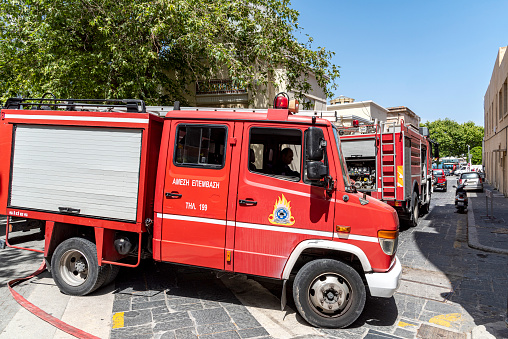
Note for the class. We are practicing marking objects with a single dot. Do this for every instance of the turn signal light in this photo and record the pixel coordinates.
(388, 234)
(343, 231)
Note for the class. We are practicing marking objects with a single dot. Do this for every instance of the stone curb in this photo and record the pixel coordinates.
(472, 235)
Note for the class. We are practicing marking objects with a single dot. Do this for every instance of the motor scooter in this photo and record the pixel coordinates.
(460, 198)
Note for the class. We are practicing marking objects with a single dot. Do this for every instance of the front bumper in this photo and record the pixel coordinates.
(473, 187)
(385, 284)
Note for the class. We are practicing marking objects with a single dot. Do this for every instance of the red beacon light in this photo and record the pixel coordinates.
(356, 123)
(282, 101)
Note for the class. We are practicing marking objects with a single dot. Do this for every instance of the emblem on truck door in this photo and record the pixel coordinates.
(281, 212)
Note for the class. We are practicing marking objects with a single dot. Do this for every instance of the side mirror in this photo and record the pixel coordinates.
(436, 151)
(316, 170)
(315, 144)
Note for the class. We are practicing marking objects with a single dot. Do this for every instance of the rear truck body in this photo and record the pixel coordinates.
(110, 183)
(392, 163)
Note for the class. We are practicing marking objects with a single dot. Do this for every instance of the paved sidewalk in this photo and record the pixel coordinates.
(488, 231)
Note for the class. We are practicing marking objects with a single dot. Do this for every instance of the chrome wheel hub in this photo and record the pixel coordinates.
(329, 294)
(73, 268)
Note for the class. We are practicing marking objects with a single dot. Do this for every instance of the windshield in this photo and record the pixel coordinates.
(345, 175)
(470, 176)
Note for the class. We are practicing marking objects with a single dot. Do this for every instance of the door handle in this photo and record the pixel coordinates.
(173, 195)
(69, 210)
(247, 202)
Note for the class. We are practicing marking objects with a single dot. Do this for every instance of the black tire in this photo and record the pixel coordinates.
(75, 268)
(425, 209)
(341, 286)
(461, 209)
(415, 210)
(445, 189)
(111, 272)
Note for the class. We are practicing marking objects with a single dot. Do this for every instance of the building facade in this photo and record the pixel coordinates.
(402, 114)
(495, 107)
(225, 94)
(346, 110)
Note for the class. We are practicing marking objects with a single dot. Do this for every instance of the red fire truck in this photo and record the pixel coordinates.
(391, 162)
(263, 193)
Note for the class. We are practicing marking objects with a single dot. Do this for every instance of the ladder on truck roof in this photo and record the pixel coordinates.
(102, 105)
(389, 173)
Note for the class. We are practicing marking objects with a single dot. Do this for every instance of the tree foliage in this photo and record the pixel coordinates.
(152, 50)
(453, 138)
(476, 155)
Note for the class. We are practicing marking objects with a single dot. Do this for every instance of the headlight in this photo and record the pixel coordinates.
(389, 241)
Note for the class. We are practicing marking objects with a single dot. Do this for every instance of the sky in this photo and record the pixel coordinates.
(434, 57)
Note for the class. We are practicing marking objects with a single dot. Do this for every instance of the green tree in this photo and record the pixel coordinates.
(476, 155)
(140, 48)
(453, 138)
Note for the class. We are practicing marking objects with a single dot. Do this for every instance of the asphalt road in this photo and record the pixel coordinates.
(447, 290)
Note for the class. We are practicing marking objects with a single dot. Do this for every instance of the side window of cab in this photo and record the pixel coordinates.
(276, 152)
(201, 146)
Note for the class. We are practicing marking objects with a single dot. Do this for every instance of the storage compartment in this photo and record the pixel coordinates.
(76, 170)
(363, 172)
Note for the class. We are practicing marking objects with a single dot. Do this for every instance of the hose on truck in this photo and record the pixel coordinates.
(76, 332)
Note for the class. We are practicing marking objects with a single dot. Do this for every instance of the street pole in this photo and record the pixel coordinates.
(468, 159)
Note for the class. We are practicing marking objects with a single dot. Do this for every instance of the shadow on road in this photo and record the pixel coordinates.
(479, 280)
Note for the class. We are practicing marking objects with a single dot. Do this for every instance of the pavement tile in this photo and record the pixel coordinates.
(372, 334)
(244, 319)
(186, 333)
(163, 317)
(253, 332)
(350, 332)
(148, 304)
(221, 335)
(168, 335)
(215, 328)
(175, 301)
(187, 307)
(210, 316)
(402, 333)
(121, 305)
(142, 332)
(173, 325)
(135, 318)
(442, 308)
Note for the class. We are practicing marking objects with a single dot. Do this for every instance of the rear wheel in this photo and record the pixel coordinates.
(75, 268)
(415, 210)
(329, 293)
(111, 272)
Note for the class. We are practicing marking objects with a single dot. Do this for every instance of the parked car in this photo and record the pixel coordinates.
(461, 170)
(471, 181)
(439, 179)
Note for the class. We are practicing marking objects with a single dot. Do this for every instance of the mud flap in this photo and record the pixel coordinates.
(283, 299)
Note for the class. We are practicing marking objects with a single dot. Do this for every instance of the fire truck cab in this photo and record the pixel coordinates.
(264, 193)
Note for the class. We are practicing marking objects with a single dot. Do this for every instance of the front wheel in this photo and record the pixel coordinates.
(329, 293)
(75, 268)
